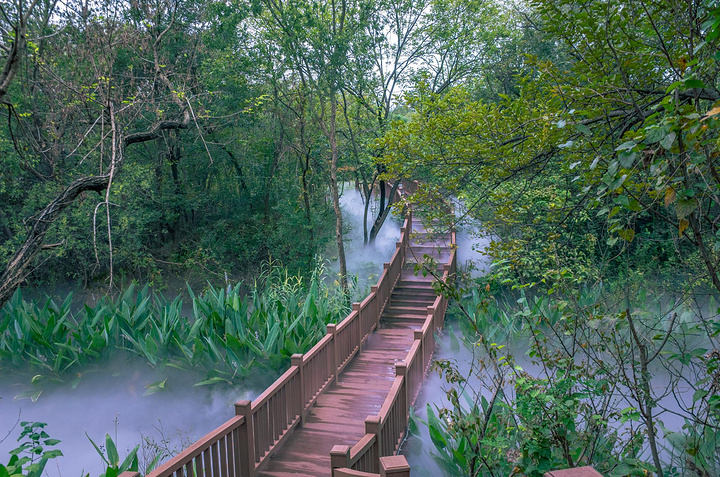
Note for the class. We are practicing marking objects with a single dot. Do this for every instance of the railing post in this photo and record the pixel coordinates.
(395, 466)
(339, 457)
(418, 336)
(334, 358)
(401, 369)
(431, 311)
(360, 327)
(297, 360)
(376, 311)
(387, 286)
(373, 426)
(247, 452)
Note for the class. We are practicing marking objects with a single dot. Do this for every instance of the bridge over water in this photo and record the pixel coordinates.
(342, 407)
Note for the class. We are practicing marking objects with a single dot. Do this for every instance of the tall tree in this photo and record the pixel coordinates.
(321, 43)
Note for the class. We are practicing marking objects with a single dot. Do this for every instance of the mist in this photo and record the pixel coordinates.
(111, 401)
(364, 261)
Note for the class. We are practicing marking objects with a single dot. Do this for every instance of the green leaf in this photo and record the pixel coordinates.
(654, 134)
(627, 158)
(437, 437)
(583, 129)
(625, 146)
(694, 83)
(112, 453)
(97, 449)
(627, 234)
(699, 395)
(668, 141)
(131, 461)
(685, 207)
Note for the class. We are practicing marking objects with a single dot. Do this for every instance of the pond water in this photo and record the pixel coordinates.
(112, 402)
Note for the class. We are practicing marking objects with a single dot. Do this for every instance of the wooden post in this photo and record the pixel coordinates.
(334, 351)
(372, 426)
(297, 360)
(378, 305)
(339, 457)
(431, 311)
(418, 336)
(401, 370)
(359, 326)
(247, 452)
(395, 466)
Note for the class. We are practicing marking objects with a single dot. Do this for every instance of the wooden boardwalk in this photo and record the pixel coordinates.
(341, 409)
(338, 417)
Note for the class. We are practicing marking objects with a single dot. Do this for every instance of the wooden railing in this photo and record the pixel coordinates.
(242, 445)
(384, 432)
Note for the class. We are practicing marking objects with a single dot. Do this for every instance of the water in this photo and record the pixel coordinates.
(111, 401)
(364, 261)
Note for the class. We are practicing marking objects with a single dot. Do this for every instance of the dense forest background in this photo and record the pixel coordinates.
(143, 140)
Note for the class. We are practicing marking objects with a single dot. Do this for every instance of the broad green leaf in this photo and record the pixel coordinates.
(685, 207)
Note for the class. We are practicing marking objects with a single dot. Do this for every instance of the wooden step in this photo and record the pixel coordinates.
(421, 285)
(412, 301)
(413, 310)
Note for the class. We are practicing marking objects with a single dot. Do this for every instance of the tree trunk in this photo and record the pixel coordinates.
(308, 210)
(332, 137)
(17, 269)
(380, 220)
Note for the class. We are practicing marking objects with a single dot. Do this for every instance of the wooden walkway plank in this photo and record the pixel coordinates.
(338, 417)
(349, 394)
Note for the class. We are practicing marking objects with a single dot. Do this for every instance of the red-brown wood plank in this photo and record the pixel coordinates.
(338, 417)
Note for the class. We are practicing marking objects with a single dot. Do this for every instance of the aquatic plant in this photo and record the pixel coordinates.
(227, 336)
(32, 455)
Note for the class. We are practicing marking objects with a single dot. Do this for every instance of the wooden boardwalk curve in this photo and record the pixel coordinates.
(338, 417)
(342, 407)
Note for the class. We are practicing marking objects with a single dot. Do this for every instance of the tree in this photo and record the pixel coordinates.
(320, 43)
(97, 104)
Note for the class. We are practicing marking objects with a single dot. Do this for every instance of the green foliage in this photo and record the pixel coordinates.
(111, 458)
(229, 334)
(32, 455)
(603, 374)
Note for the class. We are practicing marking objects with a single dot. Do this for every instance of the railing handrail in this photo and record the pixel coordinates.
(198, 447)
(247, 460)
(279, 383)
(317, 348)
(370, 441)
